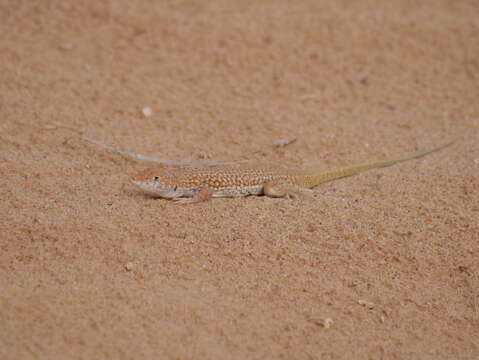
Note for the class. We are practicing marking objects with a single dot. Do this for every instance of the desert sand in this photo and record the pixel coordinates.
(382, 265)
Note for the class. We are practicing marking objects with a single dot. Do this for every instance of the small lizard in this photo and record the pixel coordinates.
(190, 184)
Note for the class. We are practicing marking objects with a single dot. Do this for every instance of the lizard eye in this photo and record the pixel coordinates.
(156, 178)
(175, 188)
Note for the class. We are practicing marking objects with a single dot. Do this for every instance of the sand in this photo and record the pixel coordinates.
(383, 265)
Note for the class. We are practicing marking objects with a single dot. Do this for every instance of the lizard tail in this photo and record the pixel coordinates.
(313, 180)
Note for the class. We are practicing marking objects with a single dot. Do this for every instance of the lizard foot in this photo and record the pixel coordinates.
(279, 190)
(202, 195)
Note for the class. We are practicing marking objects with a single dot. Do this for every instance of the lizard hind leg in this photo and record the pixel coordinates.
(280, 190)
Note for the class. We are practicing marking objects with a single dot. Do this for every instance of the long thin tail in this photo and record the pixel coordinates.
(311, 181)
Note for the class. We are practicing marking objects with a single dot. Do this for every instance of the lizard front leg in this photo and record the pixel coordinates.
(204, 194)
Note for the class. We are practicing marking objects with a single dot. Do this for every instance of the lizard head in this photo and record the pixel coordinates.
(157, 182)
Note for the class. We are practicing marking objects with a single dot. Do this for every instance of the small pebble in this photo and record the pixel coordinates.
(147, 112)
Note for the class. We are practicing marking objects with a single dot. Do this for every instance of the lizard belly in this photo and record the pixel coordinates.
(238, 191)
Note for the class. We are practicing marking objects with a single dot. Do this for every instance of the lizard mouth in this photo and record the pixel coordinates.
(153, 190)
(145, 187)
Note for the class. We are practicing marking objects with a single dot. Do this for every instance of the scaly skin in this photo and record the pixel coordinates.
(189, 184)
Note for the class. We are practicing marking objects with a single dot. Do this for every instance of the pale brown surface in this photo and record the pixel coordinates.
(90, 268)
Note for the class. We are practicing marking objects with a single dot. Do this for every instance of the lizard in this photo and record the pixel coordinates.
(281, 143)
(141, 157)
(192, 184)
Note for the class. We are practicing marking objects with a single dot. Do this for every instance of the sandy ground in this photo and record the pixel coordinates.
(91, 268)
